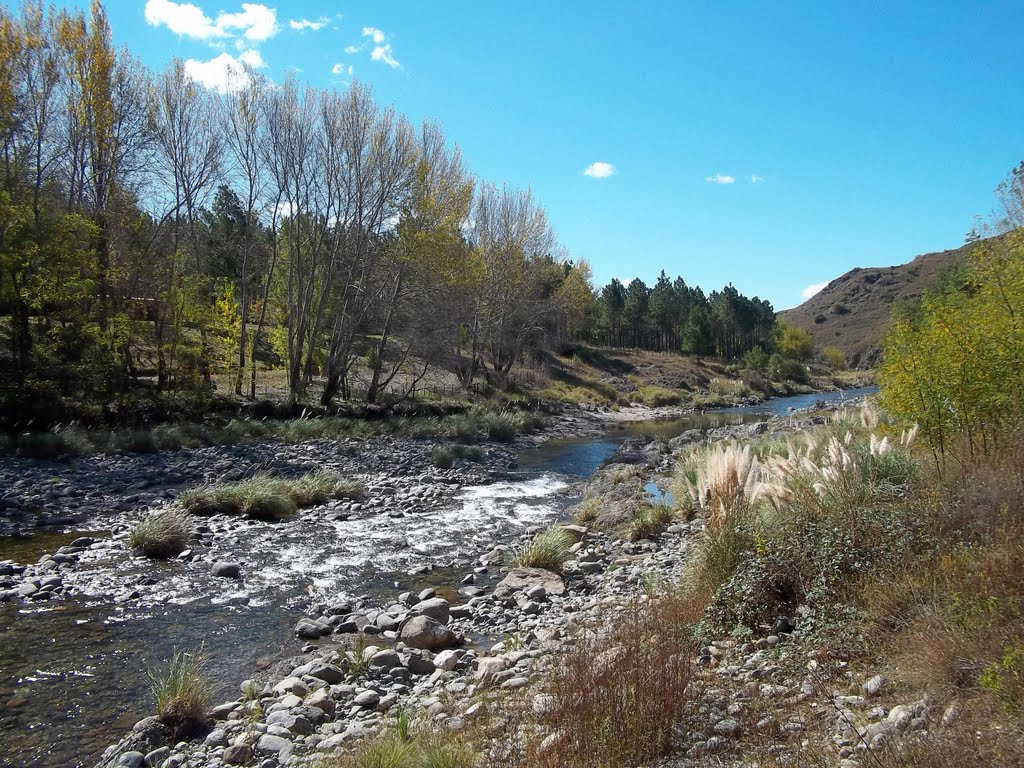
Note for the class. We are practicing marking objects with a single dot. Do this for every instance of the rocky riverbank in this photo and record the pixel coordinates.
(434, 657)
(224, 567)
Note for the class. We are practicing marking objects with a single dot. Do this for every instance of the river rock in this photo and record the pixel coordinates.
(274, 745)
(424, 632)
(446, 660)
(436, 608)
(487, 668)
(322, 700)
(226, 569)
(237, 754)
(321, 670)
(131, 760)
(385, 659)
(367, 699)
(291, 685)
(522, 579)
(307, 629)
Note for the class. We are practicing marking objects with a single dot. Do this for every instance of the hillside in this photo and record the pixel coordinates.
(852, 312)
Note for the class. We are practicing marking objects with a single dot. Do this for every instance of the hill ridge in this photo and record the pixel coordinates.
(852, 311)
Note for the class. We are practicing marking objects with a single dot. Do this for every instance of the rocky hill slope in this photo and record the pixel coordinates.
(852, 311)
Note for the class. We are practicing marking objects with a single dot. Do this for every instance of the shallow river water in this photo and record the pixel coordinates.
(73, 671)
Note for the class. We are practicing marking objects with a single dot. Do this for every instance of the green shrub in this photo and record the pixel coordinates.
(261, 497)
(548, 550)
(756, 359)
(444, 456)
(784, 369)
(834, 358)
(954, 363)
(182, 693)
(162, 534)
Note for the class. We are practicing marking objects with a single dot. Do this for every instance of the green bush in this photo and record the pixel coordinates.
(756, 359)
(784, 369)
(444, 456)
(954, 362)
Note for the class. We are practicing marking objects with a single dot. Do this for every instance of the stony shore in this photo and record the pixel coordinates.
(434, 657)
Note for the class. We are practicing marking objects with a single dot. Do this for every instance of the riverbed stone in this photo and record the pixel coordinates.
(322, 670)
(322, 700)
(446, 660)
(367, 699)
(218, 737)
(237, 754)
(226, 569)
(436, 608)
(522, 579)
(292, 685)
(307, 629)
(158, 756)
(274, 745)
(487, 668)
(424, 632)
(131, 760)
(385, 659)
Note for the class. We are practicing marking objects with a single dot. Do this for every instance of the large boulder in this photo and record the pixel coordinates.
(424, 632)
(523, 579)
(436, 608)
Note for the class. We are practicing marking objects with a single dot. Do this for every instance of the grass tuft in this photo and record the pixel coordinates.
(548, 550)
(650, 520)
(182, 693)
(162, 534)
(269, 498)
(444, 456)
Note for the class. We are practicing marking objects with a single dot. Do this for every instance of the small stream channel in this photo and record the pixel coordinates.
(73, 672)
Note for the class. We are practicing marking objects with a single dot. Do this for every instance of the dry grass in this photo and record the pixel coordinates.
(614, 700)
(733, 389)
(725, 486)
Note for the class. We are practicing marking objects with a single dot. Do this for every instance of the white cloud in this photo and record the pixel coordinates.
(253, 58)
(223, 74)
(255, 22)
(379, 50)
(719, 178)
(337, 69)
(600, 170)
(301, 25)
(182, 19)
(812, 289)
(755, 179)
(374, 33)
(383, 53)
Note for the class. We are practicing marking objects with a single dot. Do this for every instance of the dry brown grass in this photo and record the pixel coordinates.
(614, 699)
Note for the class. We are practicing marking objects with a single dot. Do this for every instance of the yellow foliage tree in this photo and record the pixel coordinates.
(954, 363)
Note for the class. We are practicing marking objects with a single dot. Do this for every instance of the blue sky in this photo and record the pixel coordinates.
(774, 145)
